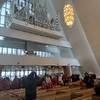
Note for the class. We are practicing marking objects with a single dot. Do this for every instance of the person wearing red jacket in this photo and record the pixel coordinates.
(6, 84)
(81, 83)
(15, 82)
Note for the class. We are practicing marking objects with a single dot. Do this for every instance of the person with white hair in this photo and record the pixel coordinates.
(60, 79)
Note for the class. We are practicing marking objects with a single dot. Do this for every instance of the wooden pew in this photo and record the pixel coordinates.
(88, 98)
(87, 92)
(94, 97)
(63, 97)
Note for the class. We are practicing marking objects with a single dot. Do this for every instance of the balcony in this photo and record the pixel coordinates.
(26, 27)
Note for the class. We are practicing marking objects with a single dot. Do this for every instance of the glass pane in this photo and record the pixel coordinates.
(8, 74)
(17, 74)
(0, 50)
(3, 73)
(26, 73)
(43, 72)
(22, 52)
(43, 53)
(37, 72)
(12, 73)
(9, 50)
(1, 25)
(22, 73)
(37, 53)
(19, 52)
(14, 51)
(12, 78)
(2, 20)
(8, 5)
(4, 50)
(3, 11)
(30, 72)
(40, 72)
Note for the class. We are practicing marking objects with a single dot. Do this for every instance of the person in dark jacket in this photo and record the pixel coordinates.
(30, 86)
(88, 80)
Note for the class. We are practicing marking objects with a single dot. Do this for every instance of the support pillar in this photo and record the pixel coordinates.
(68, 70)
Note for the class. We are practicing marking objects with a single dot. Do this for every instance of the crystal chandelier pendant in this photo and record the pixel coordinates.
(68, 14)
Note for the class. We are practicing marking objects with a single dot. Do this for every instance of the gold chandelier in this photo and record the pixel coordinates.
(68, 14)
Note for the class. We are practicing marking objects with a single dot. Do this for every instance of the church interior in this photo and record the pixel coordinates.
(49, 50)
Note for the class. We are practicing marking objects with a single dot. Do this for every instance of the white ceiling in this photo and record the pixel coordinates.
(84, 35)
(89, 15)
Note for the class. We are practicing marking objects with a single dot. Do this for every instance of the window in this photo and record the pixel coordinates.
(8, 5)
(40, 54)
(41, 72)
(1, 25)
(2, 20)
(14, 51)
(37, 53)
(8, 73)
(43, 54)
(37, 72)
(18, 51)
(22, 73)
(17, 73)
(3, 74)
(26, 72)
(9, 50)
(0, 50)
(22, 52)
(3, 11)
(4, 50)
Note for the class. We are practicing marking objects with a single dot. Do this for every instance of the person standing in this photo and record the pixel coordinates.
(30, 86)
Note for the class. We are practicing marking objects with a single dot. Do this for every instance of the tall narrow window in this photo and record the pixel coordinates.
(4, 50)
(0, 50)
(9, 50)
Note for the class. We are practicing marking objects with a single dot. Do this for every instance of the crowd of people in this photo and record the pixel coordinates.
(6, 83)
(47, 81)
(32, 81)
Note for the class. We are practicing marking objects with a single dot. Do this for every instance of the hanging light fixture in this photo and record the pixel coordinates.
(68, 14)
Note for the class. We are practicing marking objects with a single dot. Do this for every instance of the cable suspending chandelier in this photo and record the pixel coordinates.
(68, 14)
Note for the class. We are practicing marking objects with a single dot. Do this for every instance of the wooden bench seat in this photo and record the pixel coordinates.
(94, 97)
(63, 97)
(80, 98)
(88, 98)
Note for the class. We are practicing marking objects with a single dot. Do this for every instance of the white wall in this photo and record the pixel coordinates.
(34, 60)
(32, 37)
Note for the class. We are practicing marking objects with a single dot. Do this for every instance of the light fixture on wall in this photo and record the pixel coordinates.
(68, 14)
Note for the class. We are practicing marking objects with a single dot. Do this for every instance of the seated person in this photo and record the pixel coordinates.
(44, 85)
(97, 89)
(81, 83)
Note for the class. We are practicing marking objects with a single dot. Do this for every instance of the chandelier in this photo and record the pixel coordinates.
(68, 14)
